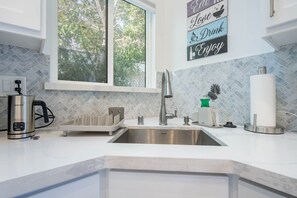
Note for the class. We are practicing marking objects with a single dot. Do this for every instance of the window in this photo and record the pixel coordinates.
(129, 45)
(105, 41)
(82, 48)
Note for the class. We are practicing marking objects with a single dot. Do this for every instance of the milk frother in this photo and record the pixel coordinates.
(21, 116)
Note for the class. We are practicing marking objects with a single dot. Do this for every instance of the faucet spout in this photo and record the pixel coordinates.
(166, 92)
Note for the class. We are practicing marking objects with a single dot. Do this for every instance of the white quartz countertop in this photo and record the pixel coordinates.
(270, 160)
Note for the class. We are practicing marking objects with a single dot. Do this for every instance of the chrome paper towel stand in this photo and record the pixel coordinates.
(262, 129)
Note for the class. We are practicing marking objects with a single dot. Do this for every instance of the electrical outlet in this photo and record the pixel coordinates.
(8, 85)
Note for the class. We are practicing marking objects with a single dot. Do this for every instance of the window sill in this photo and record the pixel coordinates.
(77, 86)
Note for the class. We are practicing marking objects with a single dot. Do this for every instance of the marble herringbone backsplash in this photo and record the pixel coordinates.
(189, 86)
(67, 105)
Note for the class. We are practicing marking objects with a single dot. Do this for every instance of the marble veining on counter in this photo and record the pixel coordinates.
(265, 159)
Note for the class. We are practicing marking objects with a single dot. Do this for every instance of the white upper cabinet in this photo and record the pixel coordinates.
(281, 22)
(281, 12)
(23, 23)
(21, 13)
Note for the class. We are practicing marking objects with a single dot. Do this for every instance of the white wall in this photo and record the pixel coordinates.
(245, 29)
(162, 39)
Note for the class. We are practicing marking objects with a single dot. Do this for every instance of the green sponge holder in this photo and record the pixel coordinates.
(205, 102)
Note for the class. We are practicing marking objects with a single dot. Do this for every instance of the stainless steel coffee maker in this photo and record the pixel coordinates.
(21, 116)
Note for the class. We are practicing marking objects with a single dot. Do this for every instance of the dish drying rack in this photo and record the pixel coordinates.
(95, 124)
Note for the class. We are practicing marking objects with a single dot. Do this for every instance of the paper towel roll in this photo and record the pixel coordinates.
(263, 100)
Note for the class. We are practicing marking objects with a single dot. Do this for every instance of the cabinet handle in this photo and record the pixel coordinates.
(272, 11)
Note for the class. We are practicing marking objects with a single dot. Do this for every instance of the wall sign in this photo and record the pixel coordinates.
(207, 28)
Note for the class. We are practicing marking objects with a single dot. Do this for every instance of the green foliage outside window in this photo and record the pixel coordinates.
(82, 42)
(129, 45)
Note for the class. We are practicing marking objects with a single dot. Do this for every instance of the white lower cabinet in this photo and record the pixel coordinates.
(87, 187)
(125, 184)
(249, 190)
(148, 184)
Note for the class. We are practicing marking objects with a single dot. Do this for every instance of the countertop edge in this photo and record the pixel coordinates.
(159, 164)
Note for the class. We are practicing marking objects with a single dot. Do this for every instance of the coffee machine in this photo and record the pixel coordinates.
(21, 116)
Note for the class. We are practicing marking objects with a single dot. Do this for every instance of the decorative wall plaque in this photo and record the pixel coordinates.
(207, 28)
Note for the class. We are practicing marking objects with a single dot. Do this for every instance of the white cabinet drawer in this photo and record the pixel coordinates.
(84, 187)
(166, 185)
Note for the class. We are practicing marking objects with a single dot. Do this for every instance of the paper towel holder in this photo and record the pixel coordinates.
(261, 129)
(262, 70)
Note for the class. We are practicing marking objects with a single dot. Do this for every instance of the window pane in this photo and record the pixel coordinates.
(82, 40)
(129, 45)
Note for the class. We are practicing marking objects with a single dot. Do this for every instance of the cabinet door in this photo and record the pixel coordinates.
(164, 185)
(285, 11)
(248, 190)
(85, 187)
(21, 13)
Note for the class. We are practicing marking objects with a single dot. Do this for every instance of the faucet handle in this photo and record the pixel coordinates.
(140, 120)
(186, 120)
(170, 115)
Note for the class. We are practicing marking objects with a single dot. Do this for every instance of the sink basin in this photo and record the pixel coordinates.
(164, 136)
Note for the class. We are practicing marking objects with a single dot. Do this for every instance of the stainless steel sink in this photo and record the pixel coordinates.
(164, 136)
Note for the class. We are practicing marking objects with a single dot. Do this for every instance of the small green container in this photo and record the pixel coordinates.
(205, 102)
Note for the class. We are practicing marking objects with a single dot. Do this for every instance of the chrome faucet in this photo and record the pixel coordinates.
(166, 92)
